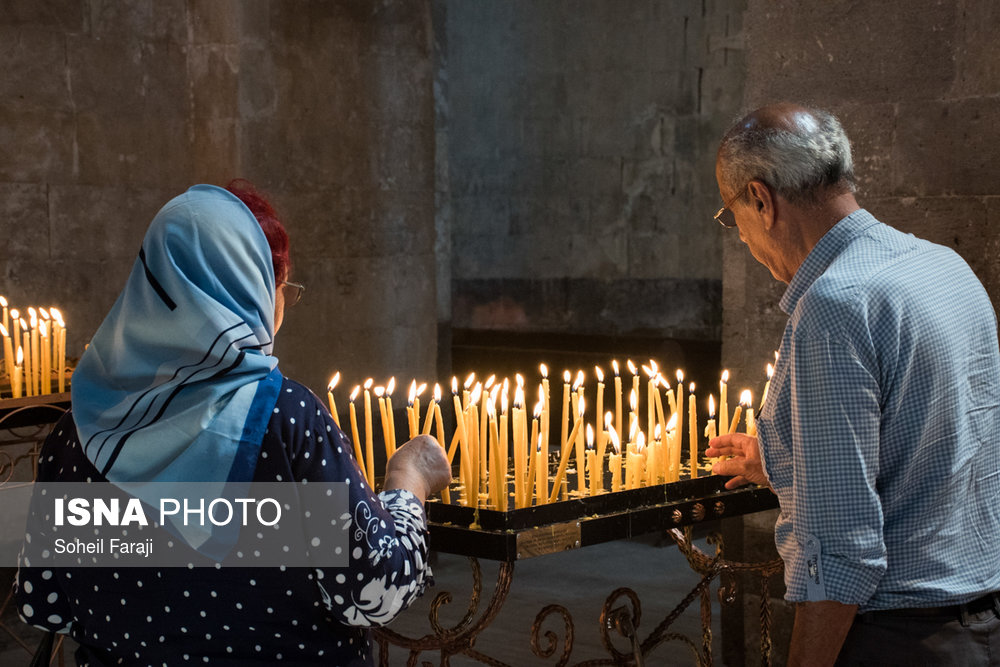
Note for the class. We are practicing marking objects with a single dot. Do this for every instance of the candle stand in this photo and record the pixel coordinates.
(577, 523)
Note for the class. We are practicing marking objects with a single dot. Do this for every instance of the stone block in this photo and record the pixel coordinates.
(154, 20)
(24, 221)
(35, 77)
(976, 51)
(875, 52)
(214, 81)
(69, 16)
(38, 146)
(870, 128)
(946, 147)
(217, 22)
(134, 150)
(105, 223)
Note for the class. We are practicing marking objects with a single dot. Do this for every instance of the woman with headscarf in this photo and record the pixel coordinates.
(179, 385)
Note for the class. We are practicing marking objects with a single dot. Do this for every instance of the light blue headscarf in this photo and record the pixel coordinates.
(178, 383)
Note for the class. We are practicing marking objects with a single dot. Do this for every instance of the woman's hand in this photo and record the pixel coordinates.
(419, 466)
(742, 462)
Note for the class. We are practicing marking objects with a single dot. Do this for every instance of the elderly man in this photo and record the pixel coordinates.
(881, 428)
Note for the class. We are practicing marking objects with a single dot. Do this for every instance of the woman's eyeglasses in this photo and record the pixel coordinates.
(299, 289)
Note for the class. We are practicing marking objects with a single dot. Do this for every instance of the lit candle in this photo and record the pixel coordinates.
(710, 426)
(564, 427)
(36, 376)
(633, 417)
(659, 382)
(60, 353)
(16, 379)
(670, 464)
(45, 358)
(581, 478)
(541, 471)
(353, 415)
(439, 423)
(463, 441)
(477, 447)
(618, 401)
(15, 327)
(494, 449)
(429, 419)
(650, 398)
(520, 453)
(533, 456)
(601, 437)
(635, 380)
(693, 432)
(8, 354)
(411, 411)
(369, 442)
(564, 455)
(416, 401)
(592, 468)
(633, 467)
(467, 389)
(391, 436)
(379, 392)
(504, 452)
(654, 456)
(724, 403)
(679, 428)
(482, 423)
(615, 460)
(329, 395)
(767, 384)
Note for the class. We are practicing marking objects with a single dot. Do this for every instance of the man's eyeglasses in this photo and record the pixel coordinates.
(725, 215)
(299, 289)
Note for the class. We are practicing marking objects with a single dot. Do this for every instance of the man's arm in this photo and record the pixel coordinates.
(819, 632)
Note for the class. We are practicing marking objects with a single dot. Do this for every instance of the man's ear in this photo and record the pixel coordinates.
(764, 202)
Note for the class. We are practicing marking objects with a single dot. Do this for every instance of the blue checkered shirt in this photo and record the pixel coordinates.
(880, 431)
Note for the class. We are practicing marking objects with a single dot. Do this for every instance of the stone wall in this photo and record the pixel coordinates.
(109, 108)
(916, 86)
(580, 147)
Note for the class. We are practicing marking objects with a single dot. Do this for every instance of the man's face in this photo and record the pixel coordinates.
(750, 223)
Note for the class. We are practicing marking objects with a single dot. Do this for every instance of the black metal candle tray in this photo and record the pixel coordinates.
(583, 521)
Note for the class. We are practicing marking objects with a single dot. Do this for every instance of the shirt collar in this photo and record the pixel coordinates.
(822, 255)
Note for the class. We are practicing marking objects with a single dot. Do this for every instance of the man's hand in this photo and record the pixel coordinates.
(419, 466)
(744, 465)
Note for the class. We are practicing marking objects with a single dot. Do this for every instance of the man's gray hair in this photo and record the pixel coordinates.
(800, 158)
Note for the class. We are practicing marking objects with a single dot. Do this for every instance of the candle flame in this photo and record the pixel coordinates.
(711, 406)
(43, 314)
(454, 385)
(648, 371)
(746, 398)
(390, 386)
(770, 371)
(437, 393)
(503, 402)
(421, 388)
(477, 393)
(632, 430)
(20, 356)
(579, 380)
(413, 393)
(519, 379)
(614, 366)
(489, 382)
(43, 329)
(615, 442)
(495, 392)
(725, 376)
(32, 313)
(24, 325)
(590, 436)
(518, 397)
(581, 408)
(56, 314)
(14, 314)
(491, 410)
(3, 302)
(469, 380)
(539, 406)
(379, 391)
(539, 446)
(355, 392)
(691, 387)
(631, 367)
(680, 376)
(368, 383)
(633, 400)
(3, 331)
(599, 373)
(609, 419)
(333, 382)
(657, 432)
(544, 370)
(640, 442)
(672, 422)
(567, 376)
(652, 364)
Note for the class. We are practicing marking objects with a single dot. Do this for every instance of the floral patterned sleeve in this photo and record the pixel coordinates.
(387, 533)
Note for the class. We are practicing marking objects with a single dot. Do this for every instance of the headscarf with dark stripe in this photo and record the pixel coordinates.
(178, 383)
